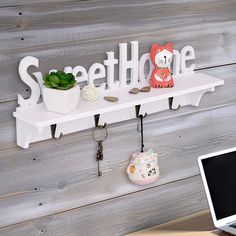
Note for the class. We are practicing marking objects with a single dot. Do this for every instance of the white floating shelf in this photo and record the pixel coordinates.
(38, 116)
(34, 123)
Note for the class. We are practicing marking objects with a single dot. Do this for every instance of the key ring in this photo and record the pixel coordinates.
(96, 136)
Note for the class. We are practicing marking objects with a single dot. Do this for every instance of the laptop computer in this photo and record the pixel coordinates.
(218, 171)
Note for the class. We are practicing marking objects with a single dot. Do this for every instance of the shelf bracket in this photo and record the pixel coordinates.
(171, 103)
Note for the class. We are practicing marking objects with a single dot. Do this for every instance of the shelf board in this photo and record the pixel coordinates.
(38, 116)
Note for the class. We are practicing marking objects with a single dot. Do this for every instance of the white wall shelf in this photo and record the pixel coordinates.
(35, 123)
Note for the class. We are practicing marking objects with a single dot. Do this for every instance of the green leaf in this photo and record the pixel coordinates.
(65, 87)
(63, 81)
(48, 85)
(54, 79)
(53, 84)
(59, 80)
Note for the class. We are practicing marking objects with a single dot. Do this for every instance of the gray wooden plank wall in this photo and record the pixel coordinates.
(52, 188)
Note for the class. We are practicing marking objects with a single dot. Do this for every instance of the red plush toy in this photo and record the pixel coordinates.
(161, 56)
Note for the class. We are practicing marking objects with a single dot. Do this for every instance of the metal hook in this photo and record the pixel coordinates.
(171, 104)
(137, 109)
(96, 121)
(141, 117)
(53, 131)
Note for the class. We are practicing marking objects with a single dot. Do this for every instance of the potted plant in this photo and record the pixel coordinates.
(60, 92)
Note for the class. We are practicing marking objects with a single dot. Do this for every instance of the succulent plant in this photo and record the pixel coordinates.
(59, 80)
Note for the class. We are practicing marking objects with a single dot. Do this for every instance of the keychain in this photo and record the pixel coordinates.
(100, 134)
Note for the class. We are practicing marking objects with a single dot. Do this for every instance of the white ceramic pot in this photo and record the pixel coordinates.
(143, 168)
(61, 101)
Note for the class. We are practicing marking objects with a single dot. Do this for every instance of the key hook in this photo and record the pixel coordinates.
(137, 109)
(141, 117)
(96, 121)
(53, 131)
(171, 99)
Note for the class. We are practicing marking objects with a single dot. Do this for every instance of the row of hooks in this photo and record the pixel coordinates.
(96, 118)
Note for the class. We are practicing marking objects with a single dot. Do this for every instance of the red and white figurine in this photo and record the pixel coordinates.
(161, 56)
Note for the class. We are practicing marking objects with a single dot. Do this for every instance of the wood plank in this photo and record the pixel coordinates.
(213, 37)
(95, 20)
(55, 176)
(121, 215)
(7, 3)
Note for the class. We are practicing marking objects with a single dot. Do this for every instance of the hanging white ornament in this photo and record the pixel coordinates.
(90, 92)
(143, 168)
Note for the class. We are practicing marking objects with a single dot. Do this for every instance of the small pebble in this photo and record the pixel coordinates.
(134, 90)
(145, 89)
(111, 99)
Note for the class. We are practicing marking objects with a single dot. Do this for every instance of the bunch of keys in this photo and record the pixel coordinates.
(100, 134)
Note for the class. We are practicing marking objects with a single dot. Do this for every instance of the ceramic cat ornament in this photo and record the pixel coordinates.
(143, 168)
(161, 56)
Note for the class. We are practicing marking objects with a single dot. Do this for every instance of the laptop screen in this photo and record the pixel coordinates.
(220, 172)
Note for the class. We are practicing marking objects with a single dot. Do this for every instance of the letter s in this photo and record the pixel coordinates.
(25, 63)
